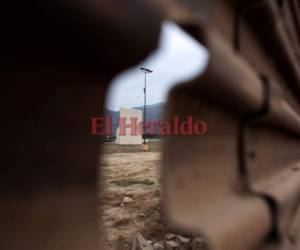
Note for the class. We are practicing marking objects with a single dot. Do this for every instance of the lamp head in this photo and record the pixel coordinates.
(146, 71)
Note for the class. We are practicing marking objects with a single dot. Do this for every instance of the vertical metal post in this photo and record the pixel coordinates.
(145, 103)
(145, 71)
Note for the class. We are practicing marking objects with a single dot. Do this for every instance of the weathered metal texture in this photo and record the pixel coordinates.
(57, 59)
(239, 185)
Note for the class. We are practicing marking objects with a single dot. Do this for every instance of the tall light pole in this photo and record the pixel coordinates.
(146, 71)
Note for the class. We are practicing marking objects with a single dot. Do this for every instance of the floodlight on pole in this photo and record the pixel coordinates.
(146, 71)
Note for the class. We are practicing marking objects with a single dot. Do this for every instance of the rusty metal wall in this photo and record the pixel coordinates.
(239, 185)
(57, 59)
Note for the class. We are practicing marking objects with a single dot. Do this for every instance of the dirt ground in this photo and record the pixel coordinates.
(129, 173)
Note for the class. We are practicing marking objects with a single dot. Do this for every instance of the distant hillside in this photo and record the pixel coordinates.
(153, 112)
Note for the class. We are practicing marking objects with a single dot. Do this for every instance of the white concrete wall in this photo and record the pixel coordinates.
(128, 138)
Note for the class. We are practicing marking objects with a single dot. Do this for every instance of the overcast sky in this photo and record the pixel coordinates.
(178, 58)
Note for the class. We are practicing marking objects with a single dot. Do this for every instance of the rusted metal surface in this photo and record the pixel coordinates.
(238, 185)
(57, 59)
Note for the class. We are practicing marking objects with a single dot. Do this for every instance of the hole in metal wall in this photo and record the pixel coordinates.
(131, 200)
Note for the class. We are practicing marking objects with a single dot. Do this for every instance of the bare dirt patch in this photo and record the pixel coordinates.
(129, 173)
(131, 201)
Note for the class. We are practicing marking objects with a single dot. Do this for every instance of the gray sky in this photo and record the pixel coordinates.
(178, 58)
